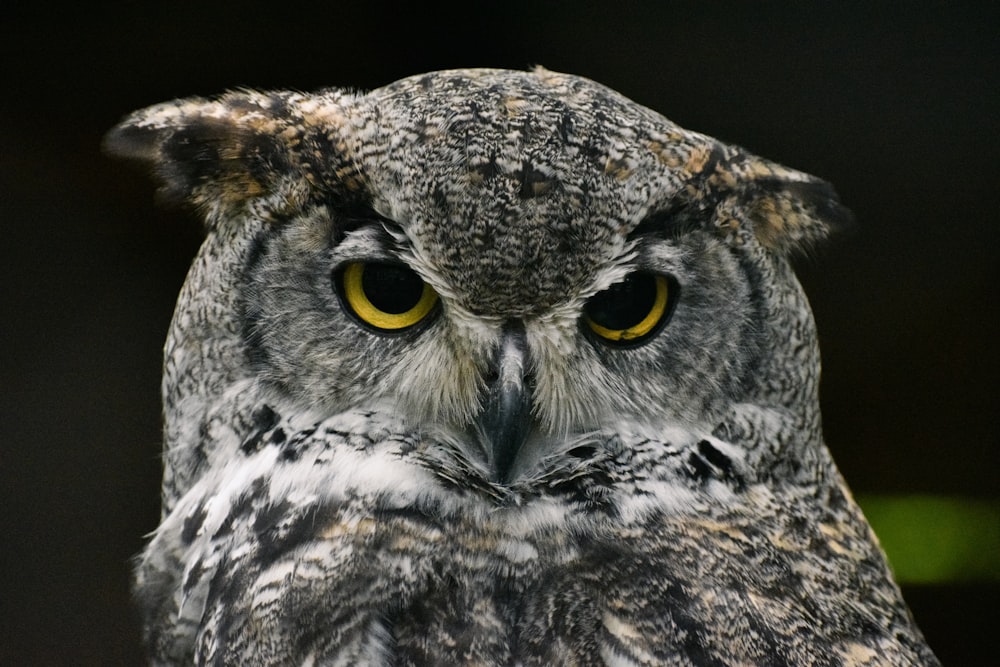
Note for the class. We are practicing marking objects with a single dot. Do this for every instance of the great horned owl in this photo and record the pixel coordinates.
(496, 368)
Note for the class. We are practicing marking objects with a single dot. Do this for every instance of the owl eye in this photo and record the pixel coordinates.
(631, 311)
(388, 297)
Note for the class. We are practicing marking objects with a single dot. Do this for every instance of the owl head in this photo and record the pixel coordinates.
(507, 262)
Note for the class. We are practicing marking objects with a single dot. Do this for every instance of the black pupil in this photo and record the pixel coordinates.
(625, 304)
(390, 288)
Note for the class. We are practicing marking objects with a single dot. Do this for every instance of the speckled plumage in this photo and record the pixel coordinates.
(335, 495)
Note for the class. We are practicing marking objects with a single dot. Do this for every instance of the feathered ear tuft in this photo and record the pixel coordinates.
(789, 216)
(222, 154)
(204, 151)
(784, 210)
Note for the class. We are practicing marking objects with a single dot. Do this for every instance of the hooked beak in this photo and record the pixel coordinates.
(506, 415)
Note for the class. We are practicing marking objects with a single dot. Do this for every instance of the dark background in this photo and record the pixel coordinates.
(896, 105)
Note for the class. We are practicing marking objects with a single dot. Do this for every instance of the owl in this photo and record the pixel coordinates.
(490, 367)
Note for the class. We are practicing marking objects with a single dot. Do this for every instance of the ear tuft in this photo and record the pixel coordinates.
(242, 148)
(793, 215)
(207, 152)
(784, 210)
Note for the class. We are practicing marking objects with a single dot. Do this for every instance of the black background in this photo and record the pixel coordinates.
(894, 104)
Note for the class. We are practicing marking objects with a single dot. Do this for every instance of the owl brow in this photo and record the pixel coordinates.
(355, 216)
(668, 222)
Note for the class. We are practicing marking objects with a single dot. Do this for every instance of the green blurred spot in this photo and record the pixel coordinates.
(937, 539)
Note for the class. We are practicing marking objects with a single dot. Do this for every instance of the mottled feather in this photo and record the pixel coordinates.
(337, 494)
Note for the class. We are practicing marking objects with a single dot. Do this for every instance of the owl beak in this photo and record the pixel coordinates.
(506, 415)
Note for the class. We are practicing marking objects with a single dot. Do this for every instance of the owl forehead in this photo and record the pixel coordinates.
(517, 187)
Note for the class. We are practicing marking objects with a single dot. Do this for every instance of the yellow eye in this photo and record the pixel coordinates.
(631, 311)
(389, 297)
